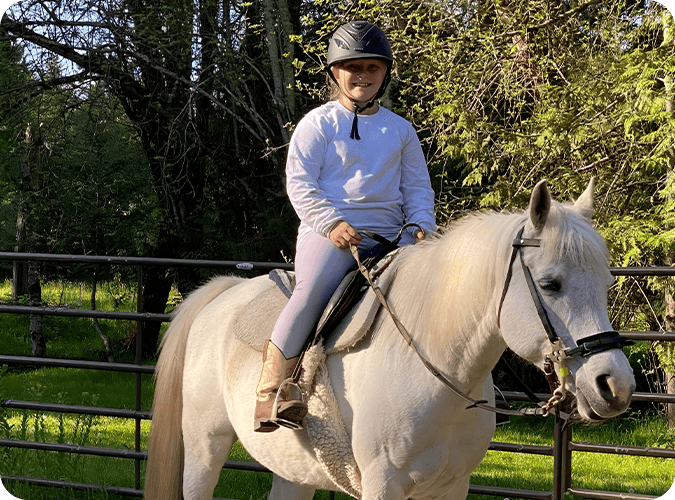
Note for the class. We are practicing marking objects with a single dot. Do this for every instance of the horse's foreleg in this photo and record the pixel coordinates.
(380, 481)
(282, 490)
(458, 489)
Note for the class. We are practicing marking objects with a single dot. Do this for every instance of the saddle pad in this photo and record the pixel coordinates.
(324, 424)
(255, 321)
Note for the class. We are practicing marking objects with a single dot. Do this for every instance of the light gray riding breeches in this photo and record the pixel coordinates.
(320, 266)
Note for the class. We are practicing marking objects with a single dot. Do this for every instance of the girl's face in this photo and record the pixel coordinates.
(359, 80)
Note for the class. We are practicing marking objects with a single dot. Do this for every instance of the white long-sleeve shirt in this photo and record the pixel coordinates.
(370, 183)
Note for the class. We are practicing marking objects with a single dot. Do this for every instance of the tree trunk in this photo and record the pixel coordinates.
(20, 268)
(30, 169)
(278, 28)
(156, 289)
(669, 378)
(106, 340)
(173, 140)
(38, 344)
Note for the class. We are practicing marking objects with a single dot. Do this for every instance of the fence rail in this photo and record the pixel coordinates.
(561, 451)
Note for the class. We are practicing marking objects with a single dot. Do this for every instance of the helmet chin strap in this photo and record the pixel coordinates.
(354, 134)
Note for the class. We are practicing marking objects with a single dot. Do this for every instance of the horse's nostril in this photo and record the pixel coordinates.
(605, 387)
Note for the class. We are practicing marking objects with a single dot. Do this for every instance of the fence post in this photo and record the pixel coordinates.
(562, 458)
(139, 360)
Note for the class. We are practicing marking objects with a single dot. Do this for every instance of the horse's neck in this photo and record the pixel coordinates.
(447, 292)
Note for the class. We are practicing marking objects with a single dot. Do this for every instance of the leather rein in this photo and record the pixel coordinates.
(586, 346)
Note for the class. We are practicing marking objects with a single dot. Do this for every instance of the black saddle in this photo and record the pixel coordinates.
(354, 286)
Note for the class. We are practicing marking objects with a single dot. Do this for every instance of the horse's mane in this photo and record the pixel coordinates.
(456, 278)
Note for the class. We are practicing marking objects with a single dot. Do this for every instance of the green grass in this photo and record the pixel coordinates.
(623, 474)
(72, 337)
(76, 338)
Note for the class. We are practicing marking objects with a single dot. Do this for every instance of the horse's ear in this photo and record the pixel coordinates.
(540, 204)
(584, 203)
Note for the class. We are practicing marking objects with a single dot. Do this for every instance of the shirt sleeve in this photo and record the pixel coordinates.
(418, 195)
(306, 155)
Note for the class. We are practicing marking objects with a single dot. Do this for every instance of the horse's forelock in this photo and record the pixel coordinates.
(569, 236)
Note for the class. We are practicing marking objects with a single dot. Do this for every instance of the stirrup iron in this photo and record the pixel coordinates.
(289, 424)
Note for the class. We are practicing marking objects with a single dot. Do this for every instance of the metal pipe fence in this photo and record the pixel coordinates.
(561, 451)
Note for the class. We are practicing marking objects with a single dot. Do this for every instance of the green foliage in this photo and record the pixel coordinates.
(88, 191)
(666, 353)
(507, 94)
(504, 94)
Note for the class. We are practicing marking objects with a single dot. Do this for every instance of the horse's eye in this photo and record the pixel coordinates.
(551, 285)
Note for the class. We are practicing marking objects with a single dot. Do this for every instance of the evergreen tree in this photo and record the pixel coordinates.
(505, 93)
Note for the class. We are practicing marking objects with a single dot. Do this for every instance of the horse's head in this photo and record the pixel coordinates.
(567, 261)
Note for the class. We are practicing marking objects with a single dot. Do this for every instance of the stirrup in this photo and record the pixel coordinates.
(274, 418)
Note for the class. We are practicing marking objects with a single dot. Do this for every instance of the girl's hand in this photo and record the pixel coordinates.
(419, 235)
(343, 235)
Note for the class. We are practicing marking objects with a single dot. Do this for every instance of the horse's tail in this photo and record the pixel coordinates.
(164, 475)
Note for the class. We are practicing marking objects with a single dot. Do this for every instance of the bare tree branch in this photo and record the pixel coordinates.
(34, 88)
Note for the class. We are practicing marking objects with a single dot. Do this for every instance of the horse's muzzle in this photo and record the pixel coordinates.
(605, 395)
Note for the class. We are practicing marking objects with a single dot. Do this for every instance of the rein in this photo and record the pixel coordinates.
(473, 403)
(560, 353)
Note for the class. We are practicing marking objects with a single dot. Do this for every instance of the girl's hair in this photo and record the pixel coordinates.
(332, 89)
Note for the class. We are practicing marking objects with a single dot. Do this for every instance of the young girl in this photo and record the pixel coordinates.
(352, 165)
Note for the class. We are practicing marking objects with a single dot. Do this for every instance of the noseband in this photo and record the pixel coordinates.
(586, 346)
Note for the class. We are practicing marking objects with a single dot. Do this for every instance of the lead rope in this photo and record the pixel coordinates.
(543, 409)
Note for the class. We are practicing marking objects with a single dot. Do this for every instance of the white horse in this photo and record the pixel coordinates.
(412, 437)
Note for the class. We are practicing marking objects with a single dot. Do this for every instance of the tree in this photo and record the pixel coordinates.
(14, 75)
(665, 350)
(502, 94)
(74, 184)
(192, 78)
(506, 93)
(30, 174)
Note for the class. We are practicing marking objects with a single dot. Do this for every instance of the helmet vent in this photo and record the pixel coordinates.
(341, 44)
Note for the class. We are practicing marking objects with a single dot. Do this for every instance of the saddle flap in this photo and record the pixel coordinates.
(349, 291)
(343, 322)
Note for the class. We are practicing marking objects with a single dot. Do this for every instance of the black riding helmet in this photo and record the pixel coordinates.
(360, 40)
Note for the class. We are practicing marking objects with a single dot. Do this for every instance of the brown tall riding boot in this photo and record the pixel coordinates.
(273, 407)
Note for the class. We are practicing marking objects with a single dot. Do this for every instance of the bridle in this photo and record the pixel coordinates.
(560, 353)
